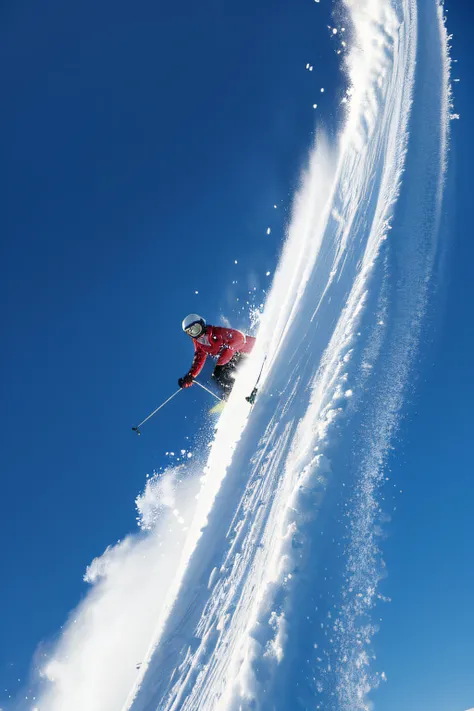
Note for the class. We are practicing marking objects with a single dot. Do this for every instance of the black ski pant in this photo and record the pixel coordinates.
(224, 375)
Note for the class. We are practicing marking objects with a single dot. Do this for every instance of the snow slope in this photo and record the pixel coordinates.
(241, 631)
(263, 597)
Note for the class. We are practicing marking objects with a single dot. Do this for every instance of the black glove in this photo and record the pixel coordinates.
(186, 381)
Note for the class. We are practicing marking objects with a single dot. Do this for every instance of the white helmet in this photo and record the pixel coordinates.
(194, 325)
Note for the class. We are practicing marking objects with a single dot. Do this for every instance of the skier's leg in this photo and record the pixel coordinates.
(224, 375)
(221, 375)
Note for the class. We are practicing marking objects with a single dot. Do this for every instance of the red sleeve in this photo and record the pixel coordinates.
(226, 355)
(198, 361)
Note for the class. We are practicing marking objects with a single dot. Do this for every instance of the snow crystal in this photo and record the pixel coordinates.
(196, 292)
(267, 274)
(268, 230)
(315, 106)
(307, 66)
(322, 90)
(235, 261)
(334, 31)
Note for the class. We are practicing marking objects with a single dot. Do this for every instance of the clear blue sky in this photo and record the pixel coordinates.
(144, 147)
(143, 150)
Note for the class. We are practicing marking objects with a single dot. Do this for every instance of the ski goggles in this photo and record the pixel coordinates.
(194, 330)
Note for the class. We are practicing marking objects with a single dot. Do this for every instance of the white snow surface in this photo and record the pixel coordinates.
(224, 601)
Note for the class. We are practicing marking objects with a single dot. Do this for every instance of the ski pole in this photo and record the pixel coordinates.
(252, 397)
(208, 391)
(137, 428)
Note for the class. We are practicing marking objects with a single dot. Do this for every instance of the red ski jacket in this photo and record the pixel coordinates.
(221, 343)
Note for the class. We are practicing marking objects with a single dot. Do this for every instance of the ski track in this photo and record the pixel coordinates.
(245, 591)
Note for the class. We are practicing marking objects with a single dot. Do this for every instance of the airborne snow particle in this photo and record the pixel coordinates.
(307, 66)
(196, 292)
(322, 90)
(311, 69)
(235, 261)
(315, 106)
(267, 274)
(274, 207)
(268, 230)
(334, 31)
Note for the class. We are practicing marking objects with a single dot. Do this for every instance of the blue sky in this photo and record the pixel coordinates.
(144, 151)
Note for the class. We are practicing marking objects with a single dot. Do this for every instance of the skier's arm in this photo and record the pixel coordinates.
(196, 367)
(198, 362)
(226, 356)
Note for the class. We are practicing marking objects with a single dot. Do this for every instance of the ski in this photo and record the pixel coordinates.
(218, 408)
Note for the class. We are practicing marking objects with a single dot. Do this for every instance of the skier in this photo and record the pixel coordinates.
(228, 345)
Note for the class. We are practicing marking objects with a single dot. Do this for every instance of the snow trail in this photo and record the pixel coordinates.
(270, 590)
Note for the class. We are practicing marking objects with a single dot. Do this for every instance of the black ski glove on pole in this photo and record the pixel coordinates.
(186, 381)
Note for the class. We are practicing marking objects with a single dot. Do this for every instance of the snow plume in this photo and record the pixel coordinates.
(96, 660)
(159, 495)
